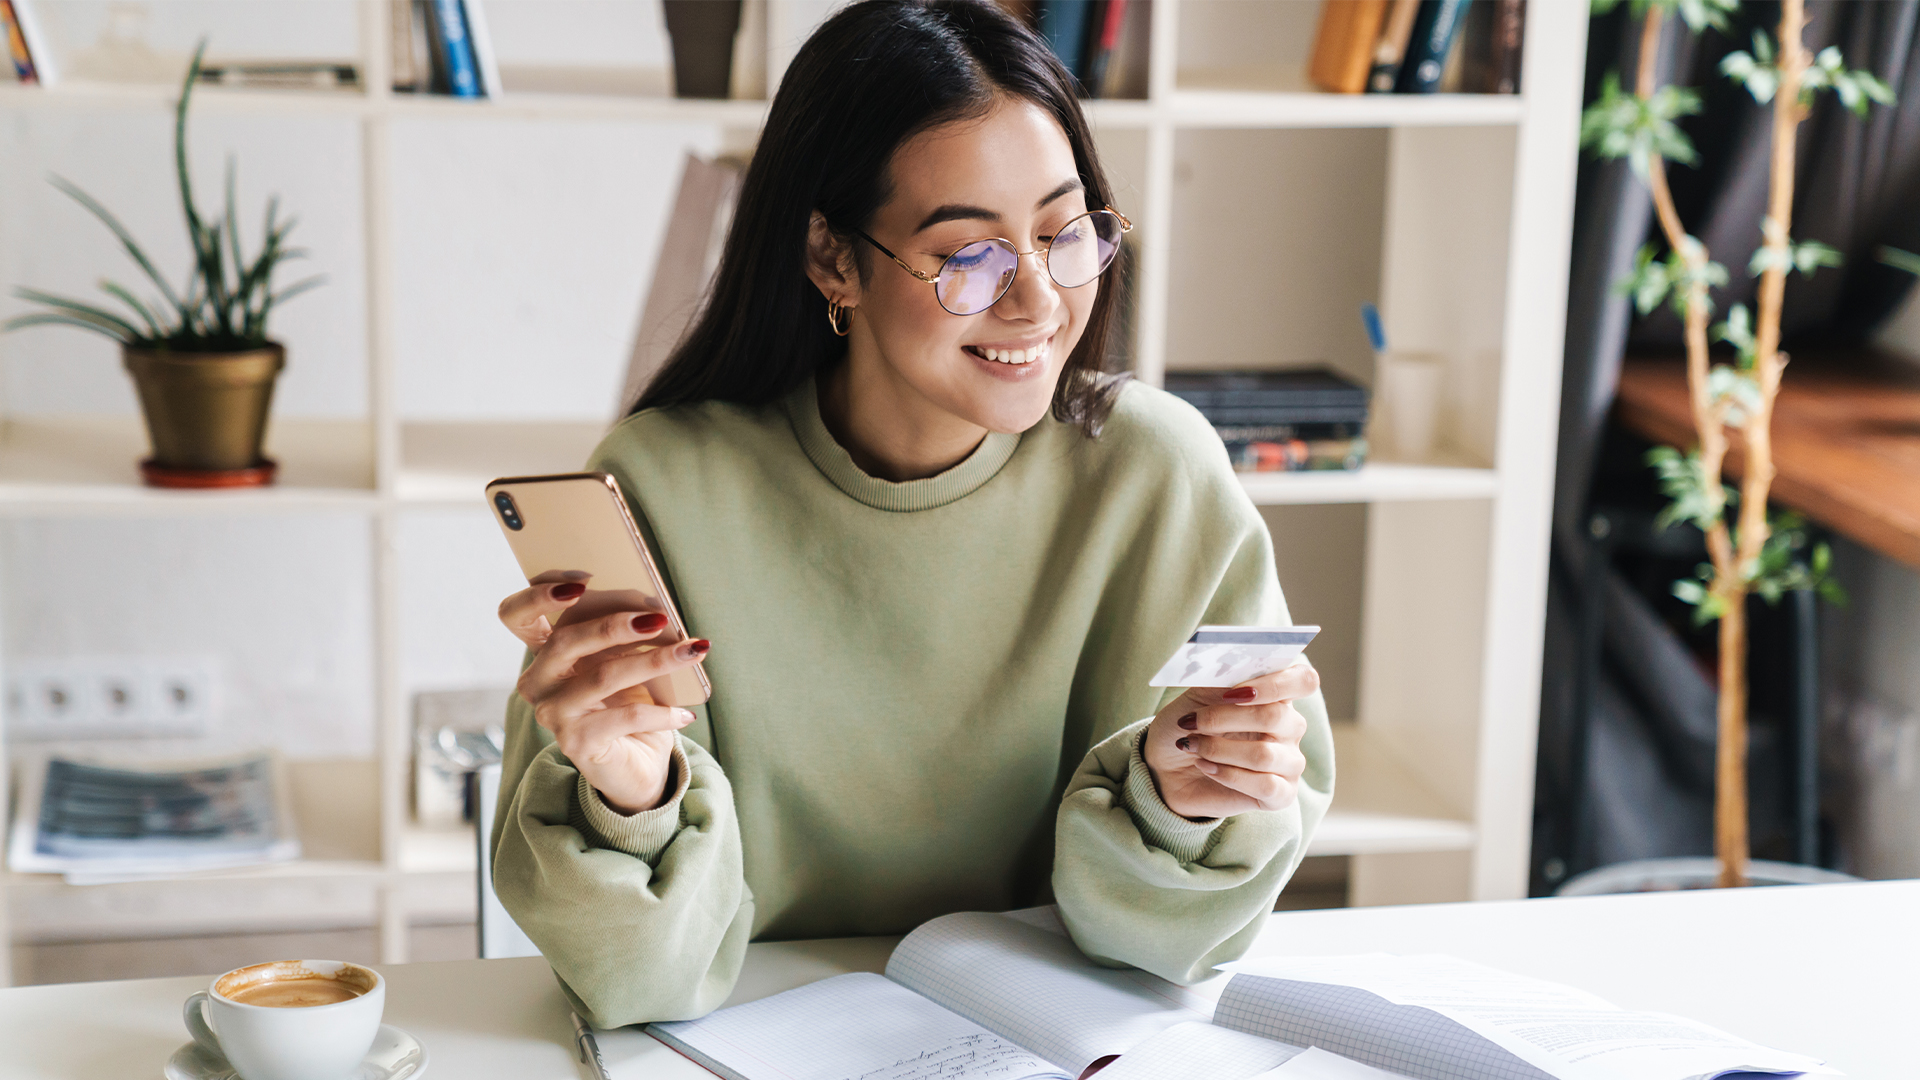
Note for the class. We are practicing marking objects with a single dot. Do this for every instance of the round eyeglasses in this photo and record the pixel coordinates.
(974, 278)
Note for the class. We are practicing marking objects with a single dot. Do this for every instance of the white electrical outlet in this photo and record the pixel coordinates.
(87, 697)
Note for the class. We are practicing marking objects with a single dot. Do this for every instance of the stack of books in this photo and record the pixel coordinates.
(1280, 421)
(1418, 46)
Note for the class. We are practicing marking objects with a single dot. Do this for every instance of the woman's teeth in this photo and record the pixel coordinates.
(1014, 356)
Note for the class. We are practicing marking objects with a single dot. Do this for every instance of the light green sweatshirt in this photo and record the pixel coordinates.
(927, 697)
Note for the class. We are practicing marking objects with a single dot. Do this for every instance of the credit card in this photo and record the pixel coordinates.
(1230, 655)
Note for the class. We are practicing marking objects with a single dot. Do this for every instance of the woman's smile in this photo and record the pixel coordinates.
(1021, 360)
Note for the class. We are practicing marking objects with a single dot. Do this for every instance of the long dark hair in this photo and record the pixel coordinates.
(871, 77)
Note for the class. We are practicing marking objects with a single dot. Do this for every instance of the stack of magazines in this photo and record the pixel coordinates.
(105, 820)
(1280, 421)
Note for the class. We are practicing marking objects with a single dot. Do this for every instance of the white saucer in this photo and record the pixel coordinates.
(395, 1055)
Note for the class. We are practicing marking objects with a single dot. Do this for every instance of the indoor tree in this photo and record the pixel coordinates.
(1748, 553)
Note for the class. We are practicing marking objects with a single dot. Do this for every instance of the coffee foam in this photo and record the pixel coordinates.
(288, 984)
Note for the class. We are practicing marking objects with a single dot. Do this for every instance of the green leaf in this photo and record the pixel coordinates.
(1701, 14)
(81, 310)
(1738, 332)
(1738, 389)
(1756, 70)
(1624, 125)
(48, 318)
(120, 232)
(1683, 480)
(146, 314)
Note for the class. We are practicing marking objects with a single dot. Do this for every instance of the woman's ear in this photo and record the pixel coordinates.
(830, 264)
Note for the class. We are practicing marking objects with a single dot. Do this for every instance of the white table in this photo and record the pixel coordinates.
(1827, 970)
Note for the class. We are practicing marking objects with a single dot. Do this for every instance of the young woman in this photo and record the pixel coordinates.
(938, 555)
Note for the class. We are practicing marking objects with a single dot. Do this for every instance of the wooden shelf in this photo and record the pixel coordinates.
(88, 465)
(1380, 806)
(1846, 440)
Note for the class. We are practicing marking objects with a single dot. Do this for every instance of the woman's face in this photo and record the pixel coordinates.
(1009, 174)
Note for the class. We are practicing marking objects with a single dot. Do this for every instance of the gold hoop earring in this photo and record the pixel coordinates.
(834, 311)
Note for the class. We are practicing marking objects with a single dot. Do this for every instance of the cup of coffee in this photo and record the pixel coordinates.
(290, 1019)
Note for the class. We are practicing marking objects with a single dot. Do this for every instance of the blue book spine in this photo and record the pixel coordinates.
(1434, 31)
(463, 76)
(1063, 23)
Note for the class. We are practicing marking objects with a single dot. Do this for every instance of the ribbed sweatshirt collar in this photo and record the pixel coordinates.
(833, 461)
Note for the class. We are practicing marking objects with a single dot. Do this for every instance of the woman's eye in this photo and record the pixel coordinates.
(967, 260)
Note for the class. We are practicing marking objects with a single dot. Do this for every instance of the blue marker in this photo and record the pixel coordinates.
(1376, 334)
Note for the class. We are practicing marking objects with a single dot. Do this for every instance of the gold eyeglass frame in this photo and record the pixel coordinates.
(1126, 226)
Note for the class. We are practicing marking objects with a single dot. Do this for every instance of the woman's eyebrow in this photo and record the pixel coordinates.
(964, 212)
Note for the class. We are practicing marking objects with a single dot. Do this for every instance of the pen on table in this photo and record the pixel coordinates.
(587, 1048)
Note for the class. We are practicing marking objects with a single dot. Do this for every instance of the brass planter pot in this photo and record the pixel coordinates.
(206, 414)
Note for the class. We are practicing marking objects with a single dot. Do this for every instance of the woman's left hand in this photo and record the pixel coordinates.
(1215, 752)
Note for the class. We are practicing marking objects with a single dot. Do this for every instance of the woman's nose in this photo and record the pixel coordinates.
(1034, 295)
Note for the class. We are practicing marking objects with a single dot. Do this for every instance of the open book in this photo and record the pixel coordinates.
(1010, 997)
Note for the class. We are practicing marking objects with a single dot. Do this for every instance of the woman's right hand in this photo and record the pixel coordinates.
(585, 686)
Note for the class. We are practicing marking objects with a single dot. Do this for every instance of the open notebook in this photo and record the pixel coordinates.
(978, 995)
(975, 995)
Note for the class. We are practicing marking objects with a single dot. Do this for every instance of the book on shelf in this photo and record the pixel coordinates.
(282, 74)
(1344, 43)
(1293, 396)
(1436, 26)
(412, 55)
(480, 45)
(26, 45)
(1391, 47)
(454, 71)
(1294, 450)
(1063, 25)
(976, 995)
(1490, 41)
(1103, 41)
(108, 817)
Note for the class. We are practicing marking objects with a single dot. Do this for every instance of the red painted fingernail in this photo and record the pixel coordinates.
(569, 591)
(695, 649)
(649, 623)
(1189, 722)
(1185, 743)
(1238, 693)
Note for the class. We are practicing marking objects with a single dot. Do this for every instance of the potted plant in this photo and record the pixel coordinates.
(1750, 553)
(200, 356)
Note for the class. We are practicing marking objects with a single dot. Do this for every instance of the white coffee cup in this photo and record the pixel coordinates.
(290, 1040)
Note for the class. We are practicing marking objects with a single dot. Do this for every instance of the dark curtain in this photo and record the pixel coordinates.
(1631, 774)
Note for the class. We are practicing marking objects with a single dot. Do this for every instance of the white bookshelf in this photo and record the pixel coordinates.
(1470, 219)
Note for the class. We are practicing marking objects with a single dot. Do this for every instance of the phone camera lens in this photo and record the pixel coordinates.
(509, 513)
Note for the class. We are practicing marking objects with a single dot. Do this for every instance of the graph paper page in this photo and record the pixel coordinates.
(849, 1027)
(1199, 1050)
(1317, 1064)
(1442, 1018)
(1036, 989)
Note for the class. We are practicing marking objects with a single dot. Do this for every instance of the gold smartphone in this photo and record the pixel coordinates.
(573, 524)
